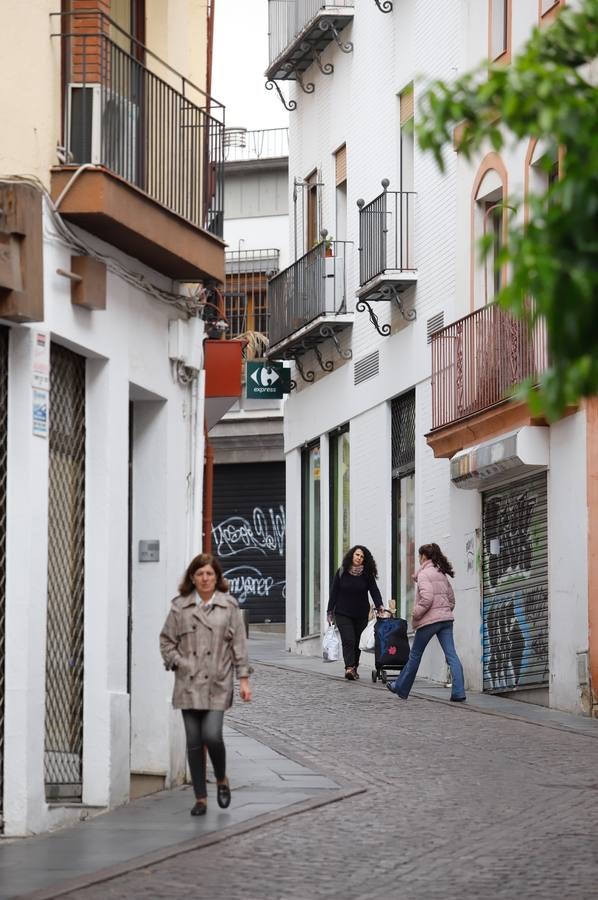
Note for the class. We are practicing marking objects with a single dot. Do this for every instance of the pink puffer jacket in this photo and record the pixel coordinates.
(434, 597)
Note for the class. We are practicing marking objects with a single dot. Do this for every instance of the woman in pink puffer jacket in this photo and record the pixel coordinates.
(432, 615)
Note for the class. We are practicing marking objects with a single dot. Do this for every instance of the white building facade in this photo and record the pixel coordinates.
(104, 278)
(398, 432)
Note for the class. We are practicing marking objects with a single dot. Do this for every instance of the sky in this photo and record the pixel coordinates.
(240, 58)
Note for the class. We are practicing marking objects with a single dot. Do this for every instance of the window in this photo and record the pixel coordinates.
(403, 502)
(340, 534)
(310, 550)
(489, 223)
(340, 159)
(312, 232)
(500, 30)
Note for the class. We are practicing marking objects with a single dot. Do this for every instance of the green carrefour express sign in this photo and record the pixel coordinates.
(266, 380)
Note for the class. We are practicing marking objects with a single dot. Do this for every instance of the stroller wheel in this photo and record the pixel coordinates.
(384, 677)
(374, 676)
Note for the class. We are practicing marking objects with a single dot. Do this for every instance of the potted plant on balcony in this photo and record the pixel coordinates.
(327, 241)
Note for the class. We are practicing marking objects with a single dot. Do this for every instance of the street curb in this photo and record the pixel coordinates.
(459, 707)
(208, 840)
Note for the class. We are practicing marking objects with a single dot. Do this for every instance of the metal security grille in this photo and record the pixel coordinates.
(515, 585)
(3, 468)
(403, 434)
(66, 537)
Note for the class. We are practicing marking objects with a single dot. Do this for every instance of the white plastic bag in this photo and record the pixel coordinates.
(331, 645)
(367, 640)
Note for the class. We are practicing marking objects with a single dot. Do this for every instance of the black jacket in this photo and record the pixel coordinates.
(349, 595)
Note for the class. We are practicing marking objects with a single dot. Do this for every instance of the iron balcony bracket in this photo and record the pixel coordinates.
(384, 6)
(325, 68)
(291, 105)
(383, 330)
(308, 376)
(307, 88)
(388, 293)
(327, 25)
(327, 366)
(327, 332)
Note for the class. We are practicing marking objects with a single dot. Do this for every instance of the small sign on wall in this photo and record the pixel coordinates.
(149, 551)
(41, 360)
(40, 412)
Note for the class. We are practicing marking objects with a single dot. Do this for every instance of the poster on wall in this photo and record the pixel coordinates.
(249, 535)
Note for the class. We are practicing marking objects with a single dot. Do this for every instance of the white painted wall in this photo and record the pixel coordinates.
(257, 233)
(358, 105)
(126, 347)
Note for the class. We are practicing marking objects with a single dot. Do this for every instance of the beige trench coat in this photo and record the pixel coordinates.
(204, 647)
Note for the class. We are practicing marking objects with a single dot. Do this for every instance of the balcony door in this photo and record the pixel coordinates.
(310, 550)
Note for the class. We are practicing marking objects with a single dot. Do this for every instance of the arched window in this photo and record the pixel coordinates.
(488, 218)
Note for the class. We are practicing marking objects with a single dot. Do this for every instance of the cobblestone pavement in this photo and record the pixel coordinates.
(458, 805)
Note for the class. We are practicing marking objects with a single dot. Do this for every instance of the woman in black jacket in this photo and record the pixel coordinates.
(349, 604)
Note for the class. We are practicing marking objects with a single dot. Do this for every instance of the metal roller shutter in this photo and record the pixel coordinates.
(248, 535)
(515, 585)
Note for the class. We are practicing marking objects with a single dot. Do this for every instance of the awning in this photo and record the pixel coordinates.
(521, 452)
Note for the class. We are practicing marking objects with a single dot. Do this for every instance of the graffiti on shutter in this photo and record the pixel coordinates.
(515, 585)
(249, 533)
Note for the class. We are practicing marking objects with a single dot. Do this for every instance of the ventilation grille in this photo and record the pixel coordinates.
(435, 324)
(367, 367)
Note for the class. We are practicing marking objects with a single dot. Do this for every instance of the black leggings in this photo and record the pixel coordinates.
(203, 728)
(350, 630)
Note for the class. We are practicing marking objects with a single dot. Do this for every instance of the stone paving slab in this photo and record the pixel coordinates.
(265, 783)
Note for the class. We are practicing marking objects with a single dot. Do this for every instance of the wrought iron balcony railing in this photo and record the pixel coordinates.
(298, 32)
(478, 359)
(241, 145)
(311, 292)
(386, 235)
(131, 113)
(246, 291)
(386, 252)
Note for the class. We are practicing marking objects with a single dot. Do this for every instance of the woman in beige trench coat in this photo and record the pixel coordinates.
(203, 641)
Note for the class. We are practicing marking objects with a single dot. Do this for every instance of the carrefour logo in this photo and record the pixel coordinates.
(265, 377)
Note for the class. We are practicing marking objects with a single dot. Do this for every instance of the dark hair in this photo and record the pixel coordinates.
(369, 563)
(187, 587)
(435, 555)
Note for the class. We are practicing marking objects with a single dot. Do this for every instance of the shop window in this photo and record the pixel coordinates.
(403, 502)
(310, 549)
(340, 508)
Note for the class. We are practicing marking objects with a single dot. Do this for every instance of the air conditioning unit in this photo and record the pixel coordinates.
(102, 127)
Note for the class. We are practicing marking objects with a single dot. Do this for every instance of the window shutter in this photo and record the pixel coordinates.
(406, 100)
(341, 164)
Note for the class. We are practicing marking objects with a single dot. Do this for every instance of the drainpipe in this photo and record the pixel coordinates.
(208, 492)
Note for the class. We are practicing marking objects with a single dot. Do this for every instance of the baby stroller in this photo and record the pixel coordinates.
(391, 647)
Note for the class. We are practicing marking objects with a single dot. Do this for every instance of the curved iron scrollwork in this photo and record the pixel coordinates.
(327, 25)
(325, 68)
(327, 332)
(391, 292)
(384, 6)
(291, 105)
(308, 376)
(327, 366)
(307, 88)
(383, 330)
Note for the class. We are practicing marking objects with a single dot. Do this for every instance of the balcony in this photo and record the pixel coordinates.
(386, 252)
(308, 304)
(250, 146)
(246, 291)
(476, 361)
(152, 144)
(299, 30)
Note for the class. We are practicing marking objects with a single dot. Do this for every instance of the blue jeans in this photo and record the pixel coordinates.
(423, 636)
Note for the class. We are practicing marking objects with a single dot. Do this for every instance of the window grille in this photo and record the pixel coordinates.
(403, 434)
(3, 471)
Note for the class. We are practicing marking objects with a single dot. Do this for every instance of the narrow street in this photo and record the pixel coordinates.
(455, 802)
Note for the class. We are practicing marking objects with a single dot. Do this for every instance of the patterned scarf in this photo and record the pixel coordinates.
(355, 570)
